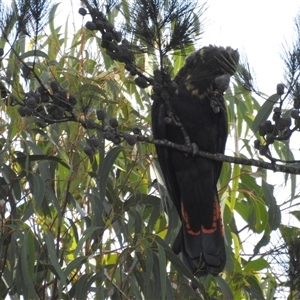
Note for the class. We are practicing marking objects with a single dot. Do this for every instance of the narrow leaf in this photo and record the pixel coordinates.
(162, 270)
(264, 112)
(53, 258)
(105, 168)
(27, 264)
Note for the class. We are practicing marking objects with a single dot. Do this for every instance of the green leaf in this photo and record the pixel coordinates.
(38, 189)
(226, 291)
(274, 210)
(85, 235)
(27, 264)
(256, 265)
(178, 264)
(264, 112)
(75, 264)
(149, 268)
(41, 157)
(105, 167)
(263, 242)
(34, 53)
(254, 288)
(296, 213)
(162, 270)
(82, 286)
(54, 259)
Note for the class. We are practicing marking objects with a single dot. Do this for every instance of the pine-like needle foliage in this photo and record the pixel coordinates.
(291, 58)
(97, 5)
(25, 16)
(166, 25)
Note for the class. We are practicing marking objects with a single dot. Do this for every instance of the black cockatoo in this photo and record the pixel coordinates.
(192, 180)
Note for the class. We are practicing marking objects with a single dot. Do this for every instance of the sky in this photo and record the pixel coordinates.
(260, 29)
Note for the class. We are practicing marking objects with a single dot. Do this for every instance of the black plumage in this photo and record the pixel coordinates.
(192, 180)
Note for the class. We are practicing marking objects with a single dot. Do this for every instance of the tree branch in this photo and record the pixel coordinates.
(225, 158)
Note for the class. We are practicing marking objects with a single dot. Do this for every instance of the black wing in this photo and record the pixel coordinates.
(192, 180)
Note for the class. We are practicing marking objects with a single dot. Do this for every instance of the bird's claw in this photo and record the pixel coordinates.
(215, 104)
(194, 149)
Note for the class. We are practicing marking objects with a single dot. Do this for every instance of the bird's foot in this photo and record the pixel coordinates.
(194, 149)
(215, 104)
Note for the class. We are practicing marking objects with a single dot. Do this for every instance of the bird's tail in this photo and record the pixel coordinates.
(203, 252)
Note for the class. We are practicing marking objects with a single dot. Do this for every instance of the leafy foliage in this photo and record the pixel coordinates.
(83, 209)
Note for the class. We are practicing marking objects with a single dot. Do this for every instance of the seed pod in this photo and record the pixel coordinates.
(281, 124)
(31, 103)
(276, 116)
(130, 139)
(108, 26)
(24, 111)
(57, 114)
(72, 100)
(62, 93)
(117, 140)
(40, 109)
(113, 123)
(280, 89)
(263, 150)
(42, 90)
(88, 124)
(277, 110)
(57, 99)
(287, 121)
(295, 114)
(165, 95)
(270, 138)
(297, 123)
(88, 150)
(82, 11)
(268, 126)
(157, 88)
(125, 43)
(108, 36)
(257, 144)
(94, 142)
(44, 98)
(26, 71)
(128, 67)
(141, 82)
(54, 86)
(136, 130)
(262, 130)
(104, 43)
(90, 26)
(154, 97)
(296, 103)
(158, 76)
(99, 25)
(133, 72)
(108, 136)
(101, 114)
(117, 35)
